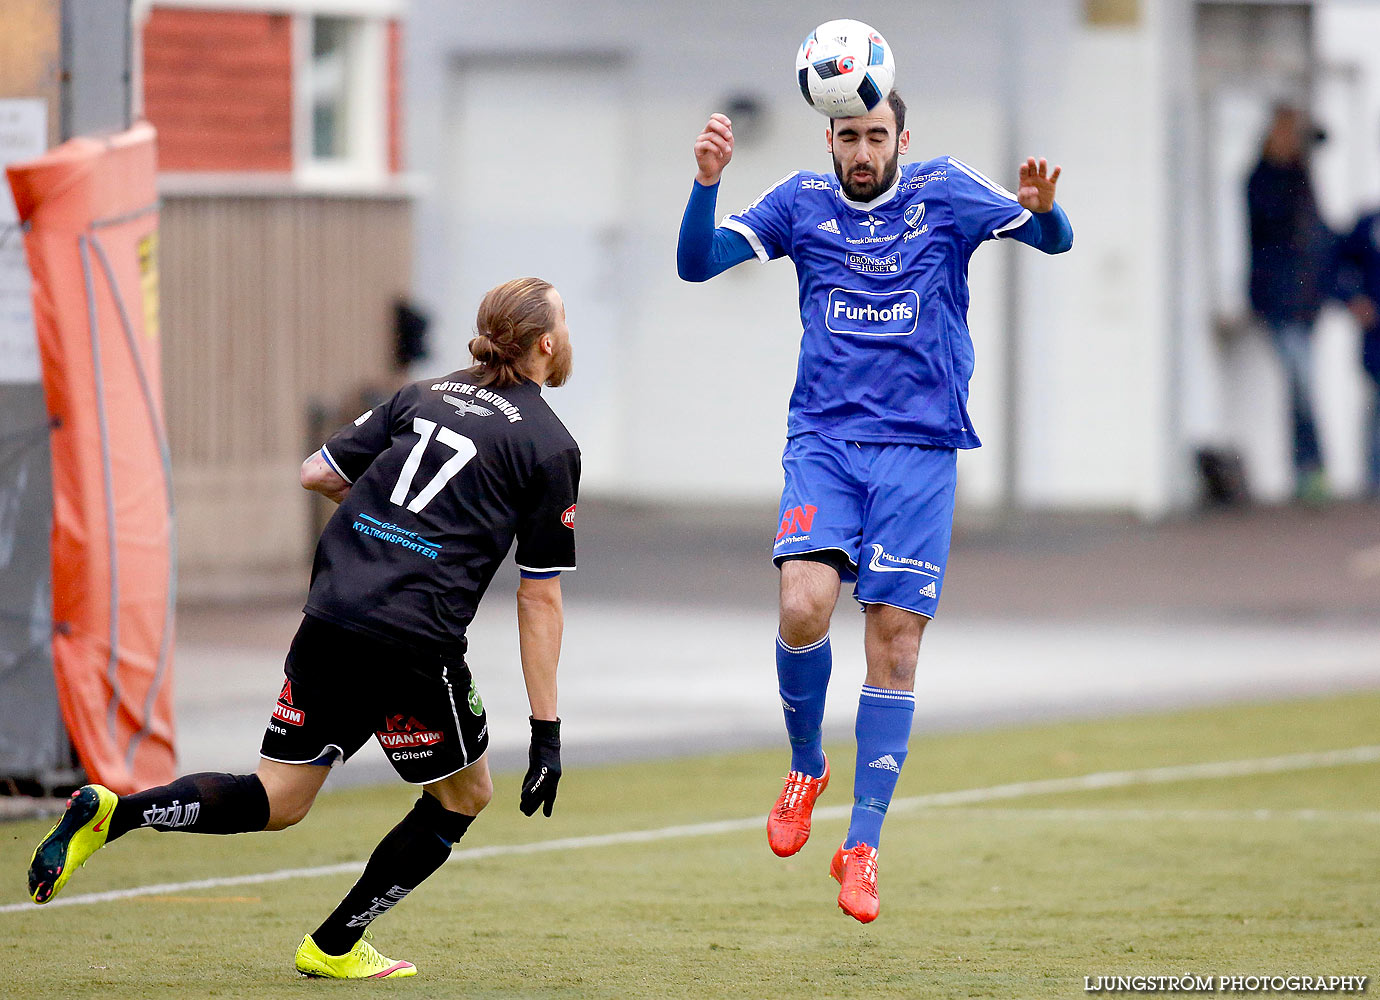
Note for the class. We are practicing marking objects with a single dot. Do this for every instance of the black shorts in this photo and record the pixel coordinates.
(343, 686)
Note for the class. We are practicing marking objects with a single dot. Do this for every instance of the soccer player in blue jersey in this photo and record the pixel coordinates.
(877, 416)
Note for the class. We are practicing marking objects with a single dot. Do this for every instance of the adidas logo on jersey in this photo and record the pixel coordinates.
(886, 762)
(928, 590)
(830, 226)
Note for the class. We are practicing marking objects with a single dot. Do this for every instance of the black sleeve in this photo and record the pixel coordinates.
(351, 450)
(546, 533)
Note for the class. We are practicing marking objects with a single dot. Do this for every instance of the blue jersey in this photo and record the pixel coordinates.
(885, 355)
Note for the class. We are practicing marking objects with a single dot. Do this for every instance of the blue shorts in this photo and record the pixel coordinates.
(885, 511)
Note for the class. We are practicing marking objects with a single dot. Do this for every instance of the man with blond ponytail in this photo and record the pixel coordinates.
(433, 487)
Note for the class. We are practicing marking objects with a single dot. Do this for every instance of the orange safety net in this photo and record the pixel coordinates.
(90, 214)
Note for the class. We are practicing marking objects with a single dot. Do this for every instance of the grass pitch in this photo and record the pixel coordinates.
(1271, 873)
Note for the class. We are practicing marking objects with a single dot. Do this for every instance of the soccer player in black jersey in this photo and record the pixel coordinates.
(433, 487)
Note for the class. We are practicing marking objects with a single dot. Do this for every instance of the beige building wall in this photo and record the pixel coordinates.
(271, 306)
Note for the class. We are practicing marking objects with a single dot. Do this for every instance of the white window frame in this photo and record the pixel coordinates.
(366, 164)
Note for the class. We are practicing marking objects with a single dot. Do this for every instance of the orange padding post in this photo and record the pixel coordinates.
(90, 211)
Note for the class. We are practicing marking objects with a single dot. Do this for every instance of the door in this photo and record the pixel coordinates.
(539, 167)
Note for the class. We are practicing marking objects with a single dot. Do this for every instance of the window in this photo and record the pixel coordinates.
(327, 79)
(341, 97)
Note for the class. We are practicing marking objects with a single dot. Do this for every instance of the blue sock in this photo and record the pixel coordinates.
(883, 732)
(802, 675)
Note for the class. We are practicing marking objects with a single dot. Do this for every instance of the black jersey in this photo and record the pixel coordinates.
(444, 476)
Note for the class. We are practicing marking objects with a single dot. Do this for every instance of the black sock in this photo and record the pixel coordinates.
(196, 803)
(413, 849)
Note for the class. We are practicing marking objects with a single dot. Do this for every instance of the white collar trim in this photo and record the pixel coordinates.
(877, 202)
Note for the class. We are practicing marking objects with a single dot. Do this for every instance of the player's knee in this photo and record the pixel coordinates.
(468, 797)
(285, 811)
(804, 617)
(289, 800)
(474, 796)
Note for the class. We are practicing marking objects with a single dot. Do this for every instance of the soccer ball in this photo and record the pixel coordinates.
(845, 68)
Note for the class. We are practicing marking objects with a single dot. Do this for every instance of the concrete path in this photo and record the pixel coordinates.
(669, 636)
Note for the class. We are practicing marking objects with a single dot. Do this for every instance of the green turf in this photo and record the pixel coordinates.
(1022, 898)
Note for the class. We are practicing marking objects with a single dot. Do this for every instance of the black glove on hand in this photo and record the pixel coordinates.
(543, 767)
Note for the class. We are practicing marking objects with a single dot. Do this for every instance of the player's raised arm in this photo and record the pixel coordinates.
(1048, 228)
(713, 149)
(541, 620)
(703, 251)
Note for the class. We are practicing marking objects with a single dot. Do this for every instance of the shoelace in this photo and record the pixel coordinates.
(796, 786)
(866, 876)
(369, 953)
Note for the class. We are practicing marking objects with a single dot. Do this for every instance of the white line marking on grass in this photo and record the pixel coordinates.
(935, 800)
(1115, 814)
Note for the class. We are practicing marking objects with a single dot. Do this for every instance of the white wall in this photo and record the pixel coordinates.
(708, 368)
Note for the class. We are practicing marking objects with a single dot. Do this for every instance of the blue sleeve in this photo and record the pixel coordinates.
(1049, 232)
(703, 251)
(982, 208)
(766, 223)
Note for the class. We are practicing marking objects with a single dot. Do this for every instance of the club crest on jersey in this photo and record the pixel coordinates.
(915, 214)
(864, 264)
(464, 406)
(568, 517)
(873, 314)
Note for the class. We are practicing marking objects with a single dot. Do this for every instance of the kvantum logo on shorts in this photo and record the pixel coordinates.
(873, 314)
(864, 264)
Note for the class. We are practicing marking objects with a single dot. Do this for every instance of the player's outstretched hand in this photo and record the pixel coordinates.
(1036, 190)
(713, 149)
(543, 767)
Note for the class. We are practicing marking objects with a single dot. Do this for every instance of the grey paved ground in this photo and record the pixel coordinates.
(671, 620)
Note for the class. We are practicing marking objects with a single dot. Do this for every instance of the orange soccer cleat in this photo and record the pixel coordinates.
(788, 823)
(856, 871)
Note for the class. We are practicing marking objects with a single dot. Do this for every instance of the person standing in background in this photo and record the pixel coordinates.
(1292, 254)
(1358, 259)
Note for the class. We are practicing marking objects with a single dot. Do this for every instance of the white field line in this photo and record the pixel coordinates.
(971, 796)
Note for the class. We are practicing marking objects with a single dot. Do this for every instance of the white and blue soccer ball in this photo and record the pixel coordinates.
(845, 68)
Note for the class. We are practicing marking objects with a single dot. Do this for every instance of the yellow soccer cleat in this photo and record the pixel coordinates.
(80, 833)
(361, 962)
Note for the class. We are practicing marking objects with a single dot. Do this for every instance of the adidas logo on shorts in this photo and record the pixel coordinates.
(886, 762)
(830, 226)
(928, 590)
